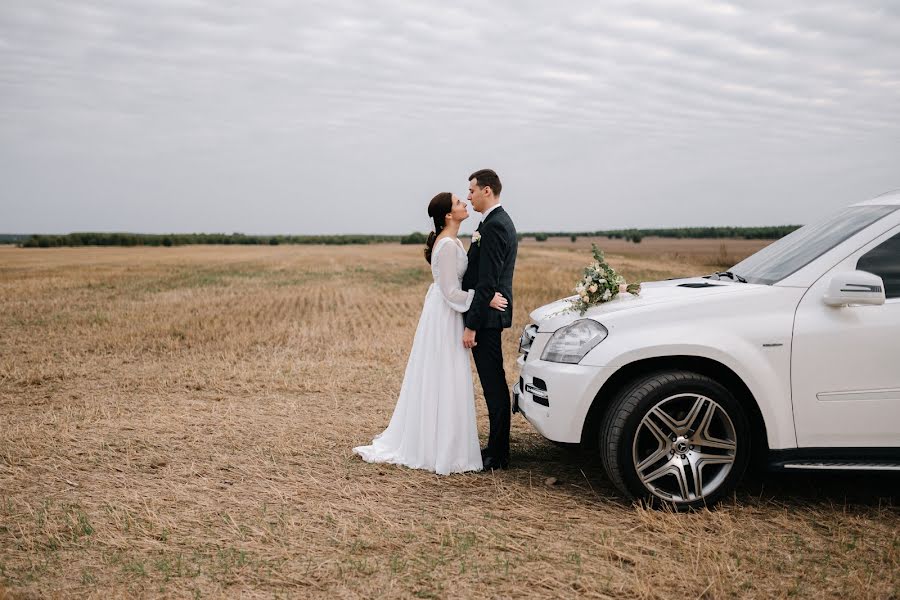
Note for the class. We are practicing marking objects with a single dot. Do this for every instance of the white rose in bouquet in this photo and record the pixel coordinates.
(600, 276)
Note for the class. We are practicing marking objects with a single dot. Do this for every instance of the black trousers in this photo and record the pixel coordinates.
(488, 354)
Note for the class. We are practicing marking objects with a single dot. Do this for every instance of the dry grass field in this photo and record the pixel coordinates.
(177, 422)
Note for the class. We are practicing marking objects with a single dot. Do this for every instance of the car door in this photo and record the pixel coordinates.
(845, 363)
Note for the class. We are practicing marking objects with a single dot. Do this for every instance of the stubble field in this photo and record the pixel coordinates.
(177, 422)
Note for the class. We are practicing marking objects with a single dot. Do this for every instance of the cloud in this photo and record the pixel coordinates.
(285, 96)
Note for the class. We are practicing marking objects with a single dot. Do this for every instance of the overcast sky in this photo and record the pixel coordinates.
(348, 116)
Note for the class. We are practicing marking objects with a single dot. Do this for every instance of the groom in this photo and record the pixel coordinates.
(492, 259)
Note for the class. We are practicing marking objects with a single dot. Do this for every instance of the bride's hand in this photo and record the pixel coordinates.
(499, 302)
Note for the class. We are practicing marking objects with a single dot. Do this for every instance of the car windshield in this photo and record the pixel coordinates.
(799, 248)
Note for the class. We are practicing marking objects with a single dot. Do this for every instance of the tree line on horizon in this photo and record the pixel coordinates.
(771, 232)
(13, 238)
(185, 239)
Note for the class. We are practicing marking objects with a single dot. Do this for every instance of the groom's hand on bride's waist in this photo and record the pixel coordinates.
(469, 338)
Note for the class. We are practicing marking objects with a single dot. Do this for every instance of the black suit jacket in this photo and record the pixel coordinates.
(491, 264)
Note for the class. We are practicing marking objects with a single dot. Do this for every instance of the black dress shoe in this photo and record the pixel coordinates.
(494, 463)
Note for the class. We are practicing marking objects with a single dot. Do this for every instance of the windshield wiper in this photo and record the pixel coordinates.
(730, 275)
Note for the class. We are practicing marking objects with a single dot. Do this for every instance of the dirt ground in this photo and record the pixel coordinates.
(177, 422)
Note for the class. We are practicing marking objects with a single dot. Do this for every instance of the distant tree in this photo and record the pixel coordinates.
(415, 238)
(634, 235)
(541, 237)
(574, 238)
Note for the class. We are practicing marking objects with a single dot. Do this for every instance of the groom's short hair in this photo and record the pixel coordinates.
(487, 178)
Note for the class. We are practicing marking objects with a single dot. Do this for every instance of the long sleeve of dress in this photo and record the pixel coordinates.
(448, 279)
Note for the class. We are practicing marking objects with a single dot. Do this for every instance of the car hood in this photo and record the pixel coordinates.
(656, 293)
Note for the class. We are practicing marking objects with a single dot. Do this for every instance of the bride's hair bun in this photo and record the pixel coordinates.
(439, 207)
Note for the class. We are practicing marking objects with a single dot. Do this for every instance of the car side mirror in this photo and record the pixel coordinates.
(855, 287)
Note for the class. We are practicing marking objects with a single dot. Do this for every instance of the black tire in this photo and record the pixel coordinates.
(628, 428)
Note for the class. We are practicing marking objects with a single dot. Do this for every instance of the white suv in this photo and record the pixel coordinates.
(793, 355)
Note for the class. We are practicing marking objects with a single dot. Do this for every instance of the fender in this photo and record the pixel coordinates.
(755, 345)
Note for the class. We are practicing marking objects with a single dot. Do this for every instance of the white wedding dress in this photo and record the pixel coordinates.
(433, 426)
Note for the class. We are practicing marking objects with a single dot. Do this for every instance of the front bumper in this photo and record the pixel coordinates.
(569, 389)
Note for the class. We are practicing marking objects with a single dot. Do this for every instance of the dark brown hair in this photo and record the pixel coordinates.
(439, 207)
(487, 178)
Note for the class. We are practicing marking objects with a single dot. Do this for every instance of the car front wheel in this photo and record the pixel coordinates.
(677, 437)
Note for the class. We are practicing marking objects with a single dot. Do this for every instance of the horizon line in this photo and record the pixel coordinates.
(524, 232)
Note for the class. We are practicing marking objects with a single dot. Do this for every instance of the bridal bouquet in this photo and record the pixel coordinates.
(600, 284)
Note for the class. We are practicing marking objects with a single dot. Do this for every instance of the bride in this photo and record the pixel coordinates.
(433, 426)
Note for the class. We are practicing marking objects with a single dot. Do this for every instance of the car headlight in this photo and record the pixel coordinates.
(570, 344)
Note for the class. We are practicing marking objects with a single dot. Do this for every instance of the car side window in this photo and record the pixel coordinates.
(884, 260)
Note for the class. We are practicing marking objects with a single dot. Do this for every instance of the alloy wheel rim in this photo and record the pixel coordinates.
(684, 448)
